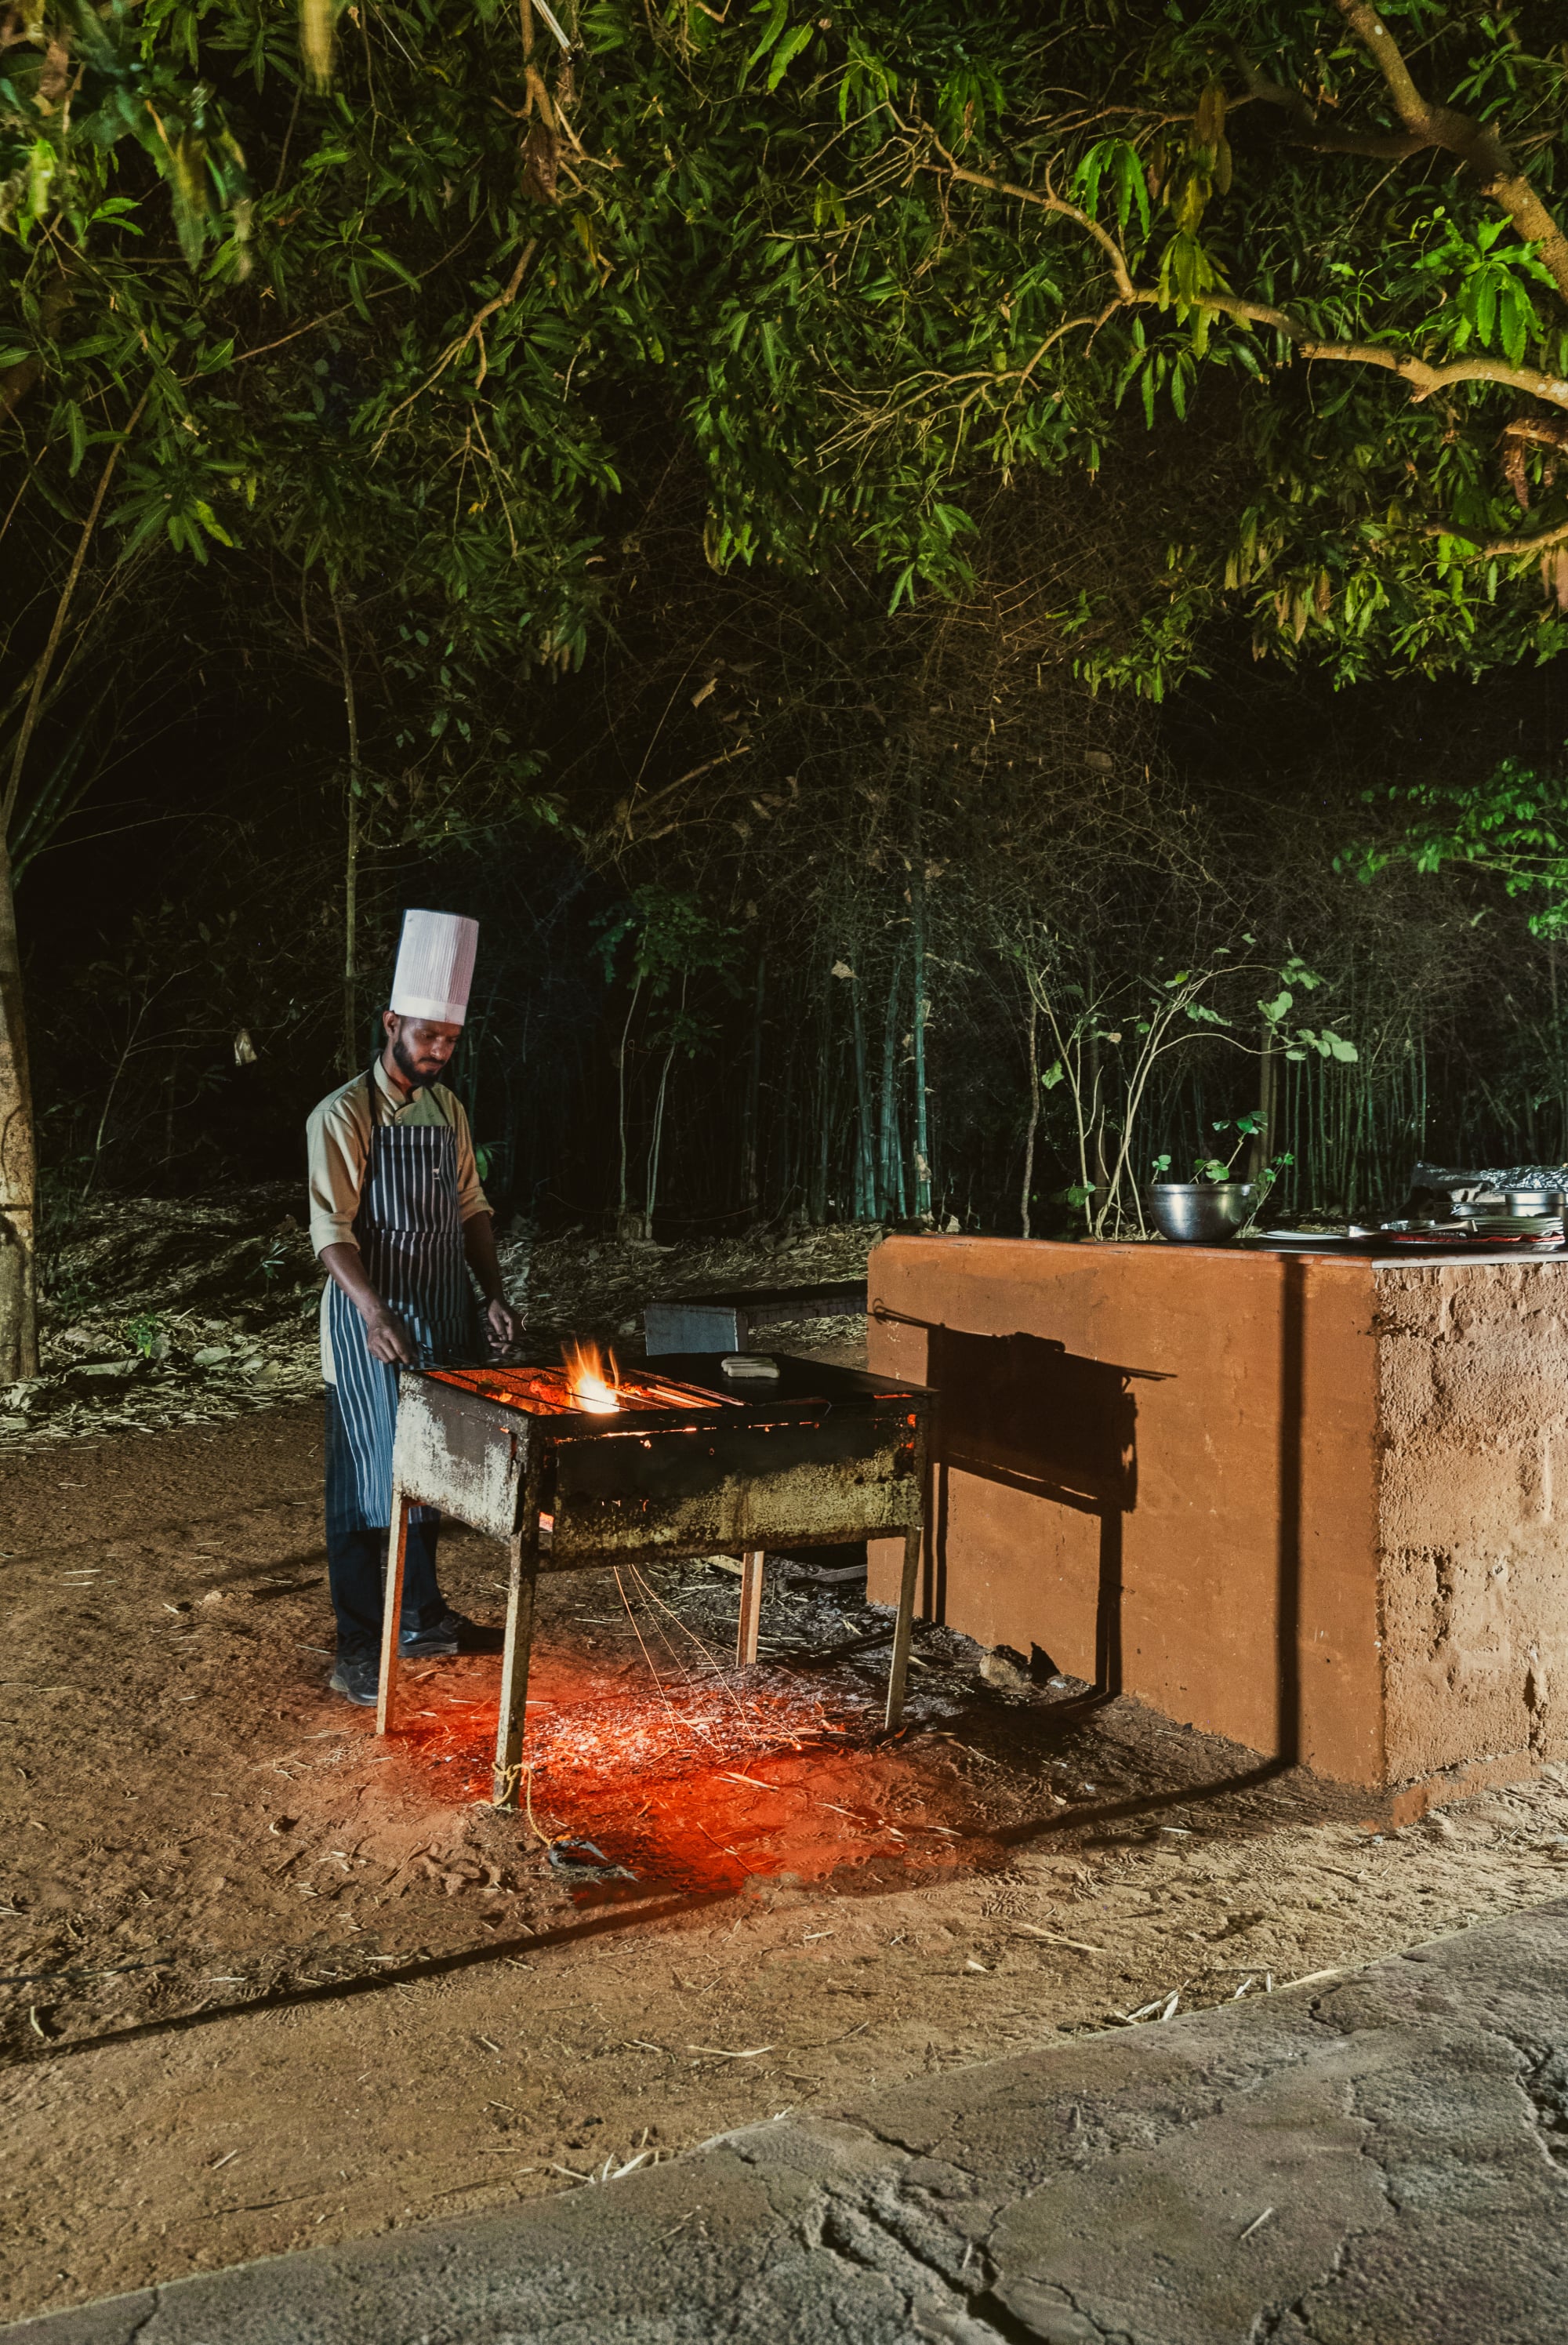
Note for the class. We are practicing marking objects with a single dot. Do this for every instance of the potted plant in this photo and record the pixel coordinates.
(1212, 1207)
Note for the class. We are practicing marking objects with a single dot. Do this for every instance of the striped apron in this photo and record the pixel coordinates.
(409, 1235)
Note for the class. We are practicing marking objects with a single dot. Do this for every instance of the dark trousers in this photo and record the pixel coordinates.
(357, 1555)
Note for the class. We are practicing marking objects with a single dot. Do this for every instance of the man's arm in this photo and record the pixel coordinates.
(336, 1147)
(479, 1246)
(385, 1333)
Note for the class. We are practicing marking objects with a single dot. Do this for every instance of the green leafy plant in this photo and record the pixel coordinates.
(1247, 1128)
(147, 1335)
(1111, 1040)
(1220, 1168)
(1268, 1174)
(1514, 826)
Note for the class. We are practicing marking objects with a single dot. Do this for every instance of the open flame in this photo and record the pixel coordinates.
(592, 1378)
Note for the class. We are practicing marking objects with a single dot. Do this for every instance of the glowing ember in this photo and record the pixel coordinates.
(592, 1378)
(690, 1792)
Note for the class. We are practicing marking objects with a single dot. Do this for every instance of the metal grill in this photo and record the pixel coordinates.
(686, 1465)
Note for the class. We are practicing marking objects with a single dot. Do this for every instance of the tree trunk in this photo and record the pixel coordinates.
(922, 1133)
(41, 673)
(1262, 1147)
(751, 1145)
(864, 1174)
(889, 1164)
(656, 1145)
(628, 1223)
(19, 1146)
(824, 1111)
(18, 1159)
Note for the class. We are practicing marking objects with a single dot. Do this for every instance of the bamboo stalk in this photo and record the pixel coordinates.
(1034, 1115)
(352, 858)
(917, 933)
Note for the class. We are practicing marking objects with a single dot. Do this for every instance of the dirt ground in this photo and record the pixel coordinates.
(268, 1983)
(160, 1312)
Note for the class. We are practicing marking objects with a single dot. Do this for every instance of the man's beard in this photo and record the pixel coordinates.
(418, 1078)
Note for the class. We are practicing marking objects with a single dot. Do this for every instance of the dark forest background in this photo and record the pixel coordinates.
(769, 798)
(906, 565)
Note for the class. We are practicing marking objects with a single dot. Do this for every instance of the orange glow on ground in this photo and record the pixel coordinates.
(704, 1790)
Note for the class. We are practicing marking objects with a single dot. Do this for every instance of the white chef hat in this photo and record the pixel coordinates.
(435, 967)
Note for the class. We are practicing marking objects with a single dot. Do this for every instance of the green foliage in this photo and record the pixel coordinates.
(670, 937)
(1247, 1128)
(80, 82)
(146, 1335)
(1514, 826)
(1114, 1038)
(1223, 1168)
(396, 310)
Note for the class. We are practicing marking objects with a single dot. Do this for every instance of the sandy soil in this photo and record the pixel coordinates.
(268, 1983)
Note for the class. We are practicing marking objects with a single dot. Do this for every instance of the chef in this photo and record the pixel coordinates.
(402, 1229)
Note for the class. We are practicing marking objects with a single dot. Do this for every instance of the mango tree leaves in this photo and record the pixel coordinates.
(865, 263)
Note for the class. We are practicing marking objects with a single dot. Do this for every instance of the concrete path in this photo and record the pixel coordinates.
(1377, 2158)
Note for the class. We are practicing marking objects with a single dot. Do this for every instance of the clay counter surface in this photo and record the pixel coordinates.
(1308, 1502)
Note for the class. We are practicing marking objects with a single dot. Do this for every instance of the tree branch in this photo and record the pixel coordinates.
(1048, 202)
(1422, 377)
(41, 673)
(1382, 146)
(1541, 541)
(476, 324)
(1476, 144)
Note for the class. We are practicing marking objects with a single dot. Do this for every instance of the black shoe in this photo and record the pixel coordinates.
(356, 1676)
(450, 1634)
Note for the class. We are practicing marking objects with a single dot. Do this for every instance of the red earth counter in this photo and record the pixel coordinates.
(1308, 1503)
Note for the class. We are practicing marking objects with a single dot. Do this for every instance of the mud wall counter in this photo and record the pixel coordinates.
(1308, 1502)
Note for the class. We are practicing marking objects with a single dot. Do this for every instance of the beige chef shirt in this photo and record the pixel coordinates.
(337, 1149)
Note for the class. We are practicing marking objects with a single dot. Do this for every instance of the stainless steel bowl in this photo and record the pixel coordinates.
(1535, 1200)
(1199, 1212)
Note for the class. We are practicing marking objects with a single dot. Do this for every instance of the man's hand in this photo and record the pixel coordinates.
(504, 1324)
(386, 1338)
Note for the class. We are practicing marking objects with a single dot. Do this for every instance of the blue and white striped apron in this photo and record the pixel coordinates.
(409, 1235)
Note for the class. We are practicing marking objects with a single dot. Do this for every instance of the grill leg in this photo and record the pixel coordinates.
(899, 1671)
(751, 1606)
(392, 1612)
(506, 1783)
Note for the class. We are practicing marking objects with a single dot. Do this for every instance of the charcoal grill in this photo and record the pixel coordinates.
(689, 1464)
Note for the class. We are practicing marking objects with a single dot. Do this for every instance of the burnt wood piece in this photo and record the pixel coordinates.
(827, 1454)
